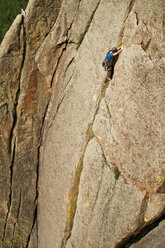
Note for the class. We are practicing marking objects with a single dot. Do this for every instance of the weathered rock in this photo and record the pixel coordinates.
(81, 161)
(155, 207)
(25, 97)
(11, 57)
(11, 42)
(155, 238)
(136, 144)
(108, 207)
(42, 15)
(74, 106)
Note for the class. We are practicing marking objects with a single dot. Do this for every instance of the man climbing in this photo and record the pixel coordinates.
(110, 60)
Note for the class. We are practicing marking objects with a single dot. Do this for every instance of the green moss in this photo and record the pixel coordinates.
(131, 6)
(119, 43)
(4, 93)
(41, 142)
(108, 111)
(82, 35)
(72, 202)
(116, 173)
(52, 24)
(103, 90)
(90, 133)
(104, 157)
(160, 184)
(47, 2)
(73, 196)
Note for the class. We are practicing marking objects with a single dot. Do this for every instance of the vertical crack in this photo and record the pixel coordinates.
(108, 110)
(58, 107)
(82, 35)
(74, 17)
(145, 46)
(36, 199)
(10, 194)
(105, 164)
(73, 196)
(18, 212)
(137, 18)
(64, 46)
(12, 147)
(91, 18)
(19, 206)
(59, 61)
(34, 222)
(23, 51)
(71, 61)
(37, 179)
(129, 9)
(74, 191)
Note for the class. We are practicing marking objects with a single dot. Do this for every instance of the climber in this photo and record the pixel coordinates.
(110, 61)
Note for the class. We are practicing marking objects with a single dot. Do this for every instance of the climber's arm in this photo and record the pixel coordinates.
(119, 50)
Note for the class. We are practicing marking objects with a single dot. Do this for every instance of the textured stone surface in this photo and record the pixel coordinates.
(25, 95)
(11, 57)
(155, 238)
(137, 127)
(81, 161)
(76, 97)
(107, 208)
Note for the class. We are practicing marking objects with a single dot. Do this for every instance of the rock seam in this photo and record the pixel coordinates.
(12, 147)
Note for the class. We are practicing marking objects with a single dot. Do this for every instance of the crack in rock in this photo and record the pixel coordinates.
(12, 147)
(10, 194)
(137, 18)
(58, 107)
(62, 45)
(141, 232)
(74, 192)
(143, 209)
(33, 224)
(88, 25)
(129, 9)
(18, 212)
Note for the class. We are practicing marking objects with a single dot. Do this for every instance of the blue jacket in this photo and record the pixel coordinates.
(108, 56)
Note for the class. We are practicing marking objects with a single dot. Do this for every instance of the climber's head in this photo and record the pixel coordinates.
(114, 49)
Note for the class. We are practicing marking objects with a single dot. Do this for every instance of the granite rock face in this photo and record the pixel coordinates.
(24, 97)
(82, 161)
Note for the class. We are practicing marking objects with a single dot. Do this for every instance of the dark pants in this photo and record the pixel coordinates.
(111, 65)
(110, 72)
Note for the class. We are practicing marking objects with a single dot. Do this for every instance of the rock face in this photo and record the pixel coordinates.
(82, 162)
(154, 239)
